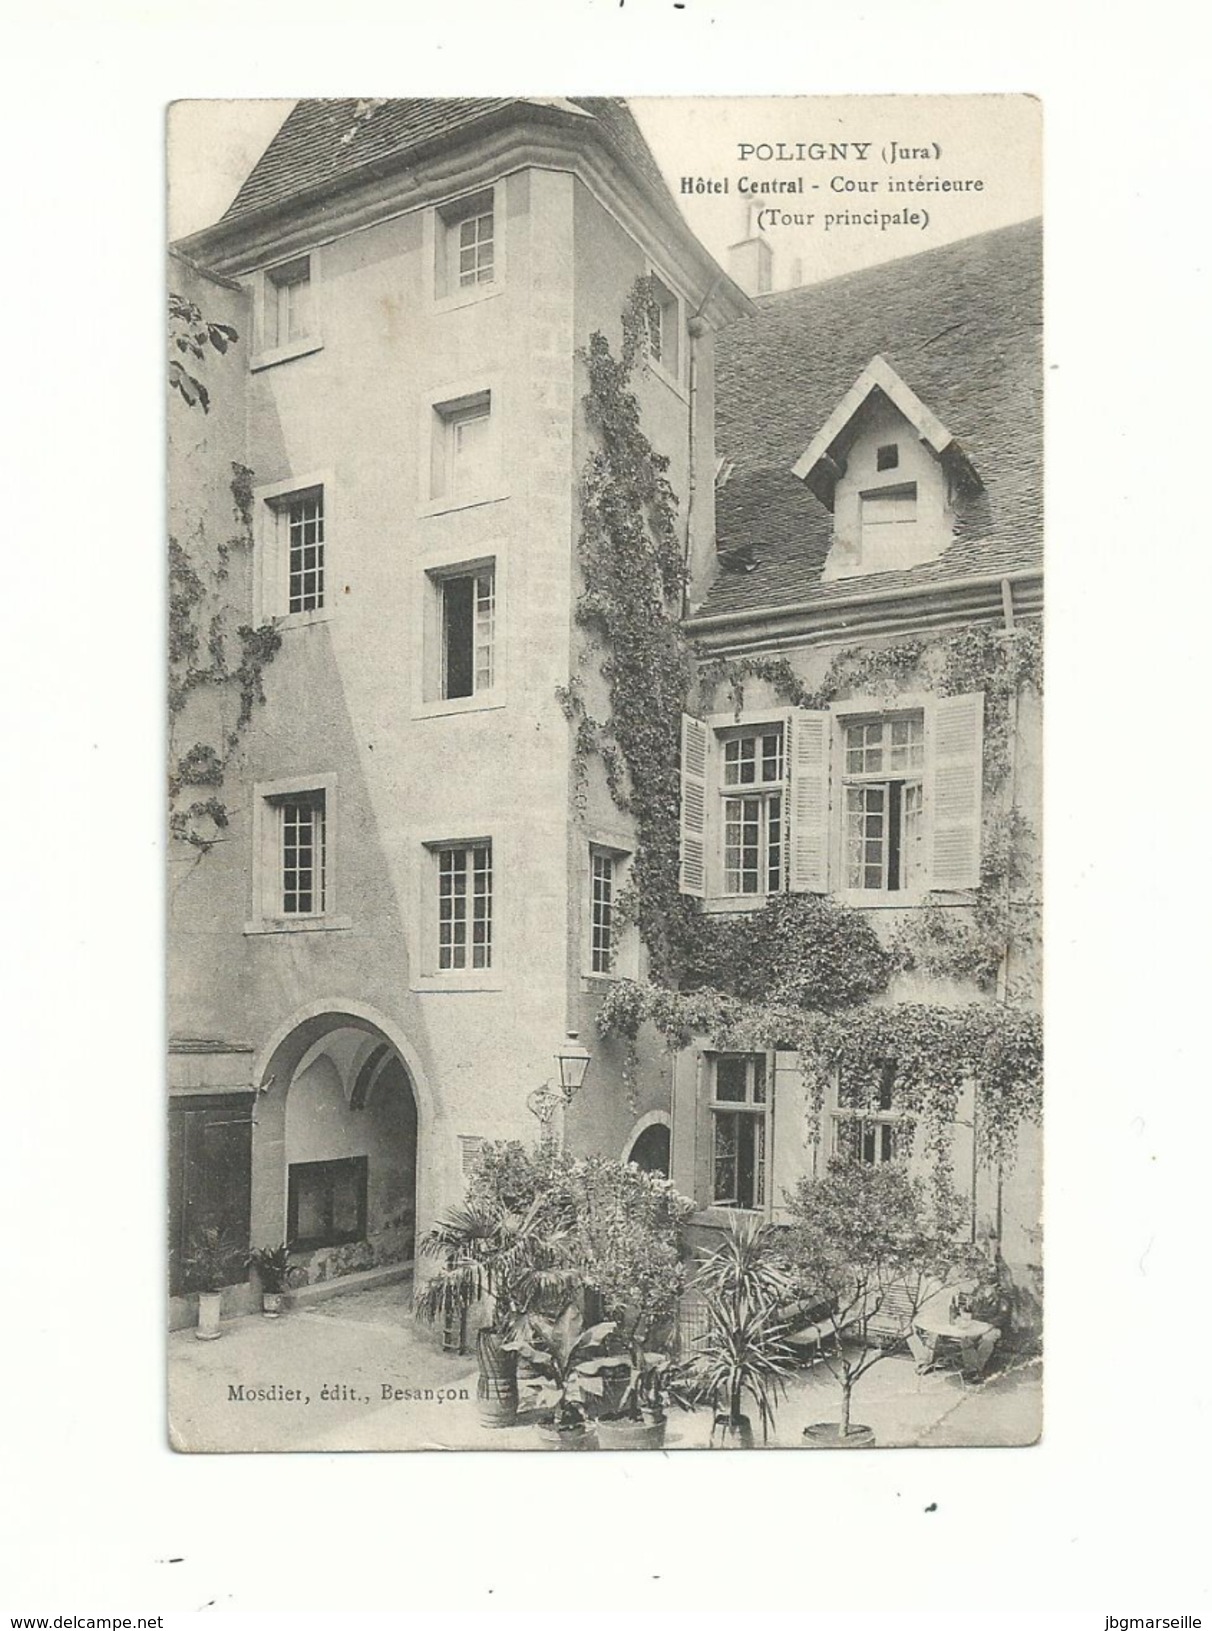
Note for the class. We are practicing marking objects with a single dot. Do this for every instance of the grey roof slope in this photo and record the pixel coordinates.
(326, 140)
(961, 325)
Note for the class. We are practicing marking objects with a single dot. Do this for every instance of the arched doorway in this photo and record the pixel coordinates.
(650, 1148)
(340, 1123)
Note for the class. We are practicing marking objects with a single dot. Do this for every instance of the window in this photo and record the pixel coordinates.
(464, 452)
(887, 518)
(326, 1203)
(293, 567)
(872, 1134)
(739, 1113)
(664, 328)
(887, 457)
(288, 304)
(468, 628)
(466, 244)
(464, 907)
(302, 851)
(602, 945)
(753, 761)
(882, 811)
(303, 517)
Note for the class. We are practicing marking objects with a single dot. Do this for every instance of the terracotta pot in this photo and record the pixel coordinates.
(622, 1433)
(210, 1304)
(580, 1437)
(271, 1304)
(727, 1434)
(826, 1435)
(497, 1387)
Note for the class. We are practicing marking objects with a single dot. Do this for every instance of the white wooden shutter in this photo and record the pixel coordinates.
(955, 791)
(684, 1139)
(788, 1158)
(692, 878)
(808, 756)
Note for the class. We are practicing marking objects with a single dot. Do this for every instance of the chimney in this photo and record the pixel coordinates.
(750, 264)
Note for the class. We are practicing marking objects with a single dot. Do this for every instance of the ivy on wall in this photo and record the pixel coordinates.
(801, 973)
(206, 653)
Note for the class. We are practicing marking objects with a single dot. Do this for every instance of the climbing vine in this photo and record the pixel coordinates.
(208, 659)
(801, 972)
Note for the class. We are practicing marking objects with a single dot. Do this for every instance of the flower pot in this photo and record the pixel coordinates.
(727, 1434)
(624, 1433)
(826, 1435)
(271, 1304)
(497, 1387)
(210, 1304)
(579, 1436)
(614, 1385)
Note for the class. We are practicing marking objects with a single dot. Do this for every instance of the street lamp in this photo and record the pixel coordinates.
(572, 1062)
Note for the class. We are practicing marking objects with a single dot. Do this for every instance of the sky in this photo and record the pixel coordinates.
(993, 140)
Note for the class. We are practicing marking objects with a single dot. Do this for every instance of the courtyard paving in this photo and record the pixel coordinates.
(355, 1373)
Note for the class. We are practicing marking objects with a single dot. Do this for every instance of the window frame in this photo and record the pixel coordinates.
(752, 1110)
(271, 544)
(441, 411)
(866, 710)
(676, 303)
(722, 728)
(883, 1118)
(439, 221)
(267, 355)
(428, 635)
(428, 975)
(269, 800)
(619, 850)
(361, 1168)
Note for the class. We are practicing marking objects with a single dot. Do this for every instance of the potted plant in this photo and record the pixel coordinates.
(505, 1264)
(626, 1241)
(639, 1423)
(878, 1246)
(562, 1355)
(210, 1265)
(272, 1264)
(742, 1355)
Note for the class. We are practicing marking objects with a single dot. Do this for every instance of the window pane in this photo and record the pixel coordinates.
(303, 856)
(485, 628)
(731, 1080)
(469, 451)
(774, 843)
(866, 838)
(757, 1069)
(458, 674)
(723, 1189)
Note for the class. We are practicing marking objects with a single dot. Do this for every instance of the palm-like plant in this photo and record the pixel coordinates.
(742, 1353)
(510, 1262)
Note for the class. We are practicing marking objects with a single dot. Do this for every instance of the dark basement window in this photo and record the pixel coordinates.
(326, 1203)
(887, 457)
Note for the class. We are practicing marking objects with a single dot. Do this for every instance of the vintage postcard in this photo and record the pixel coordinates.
(605, 758)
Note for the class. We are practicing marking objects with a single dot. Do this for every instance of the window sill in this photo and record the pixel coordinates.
(443, 707)
(302, 925)
(468, 297)
(285, 353)
(666, 378)
(455, 984)
(884, 900)
(302, 620)
(716, 1217)
(723, 904)
(442, 506)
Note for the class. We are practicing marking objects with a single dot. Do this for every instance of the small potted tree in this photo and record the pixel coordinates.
(742, 1355)
(210, 1265)
(272, 1265)
(566, 1358)
(878, 1245)
(503, 1263)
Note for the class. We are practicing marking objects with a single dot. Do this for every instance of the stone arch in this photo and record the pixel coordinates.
(646, 1125)
(292, 1044)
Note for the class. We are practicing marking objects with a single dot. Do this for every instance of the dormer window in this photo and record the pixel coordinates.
(889, 472)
